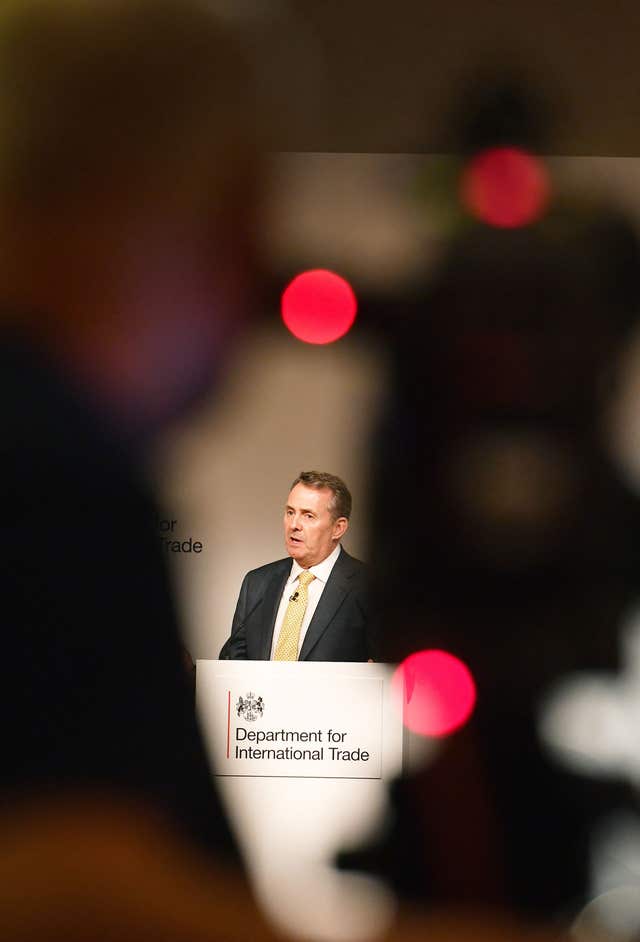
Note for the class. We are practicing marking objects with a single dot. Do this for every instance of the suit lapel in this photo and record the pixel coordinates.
(270, 603)
(333, 596)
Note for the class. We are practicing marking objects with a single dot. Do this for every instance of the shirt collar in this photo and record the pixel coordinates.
(321, 570)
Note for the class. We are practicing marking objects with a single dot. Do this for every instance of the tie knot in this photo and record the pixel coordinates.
(305, 578)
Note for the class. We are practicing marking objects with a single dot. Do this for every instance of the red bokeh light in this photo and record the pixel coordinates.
(505, 187)
(319, 306)
(437, 692)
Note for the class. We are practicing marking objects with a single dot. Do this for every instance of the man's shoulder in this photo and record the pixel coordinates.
(348, 560)
(261, 573)
(350, 567)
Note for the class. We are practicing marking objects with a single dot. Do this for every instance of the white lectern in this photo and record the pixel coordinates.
(303, 753)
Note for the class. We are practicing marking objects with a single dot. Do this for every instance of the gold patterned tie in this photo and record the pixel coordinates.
(287, 646)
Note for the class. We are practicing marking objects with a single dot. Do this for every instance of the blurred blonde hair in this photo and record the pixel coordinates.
(122, 96)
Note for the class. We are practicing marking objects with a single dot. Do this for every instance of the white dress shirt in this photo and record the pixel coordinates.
(321, 571)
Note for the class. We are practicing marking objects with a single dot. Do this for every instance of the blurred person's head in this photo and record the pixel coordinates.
(316, 516)
(127, 175)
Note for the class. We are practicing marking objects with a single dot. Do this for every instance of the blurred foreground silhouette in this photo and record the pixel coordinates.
(517, 534)
(126, 187)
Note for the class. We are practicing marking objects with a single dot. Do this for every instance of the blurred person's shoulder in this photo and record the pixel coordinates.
(47, 416)
(68, 479)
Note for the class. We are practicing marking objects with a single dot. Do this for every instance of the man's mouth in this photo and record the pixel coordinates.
(295, 539)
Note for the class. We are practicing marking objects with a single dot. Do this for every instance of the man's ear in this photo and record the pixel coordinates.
(340, 528)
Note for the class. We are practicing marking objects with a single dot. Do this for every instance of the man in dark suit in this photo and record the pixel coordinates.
(312, 605)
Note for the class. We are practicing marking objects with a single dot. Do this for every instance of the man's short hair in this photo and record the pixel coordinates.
(340, 505)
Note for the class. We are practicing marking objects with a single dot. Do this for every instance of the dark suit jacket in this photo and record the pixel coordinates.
(339, 629)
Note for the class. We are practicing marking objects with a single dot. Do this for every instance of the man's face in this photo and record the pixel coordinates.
(310, 532)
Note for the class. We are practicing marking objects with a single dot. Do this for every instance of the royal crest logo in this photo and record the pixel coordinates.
(250, 708)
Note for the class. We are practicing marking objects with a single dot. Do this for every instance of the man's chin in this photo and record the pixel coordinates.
(297, 553)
